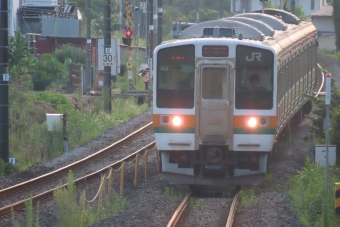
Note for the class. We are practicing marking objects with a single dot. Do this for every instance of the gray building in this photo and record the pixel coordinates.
(323, 20)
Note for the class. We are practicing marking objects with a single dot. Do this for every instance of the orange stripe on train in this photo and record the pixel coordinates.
(189, 120)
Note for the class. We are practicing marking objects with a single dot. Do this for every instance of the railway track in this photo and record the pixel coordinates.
(41, 188)
(223, 211)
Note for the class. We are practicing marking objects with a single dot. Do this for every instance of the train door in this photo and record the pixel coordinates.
(215, 96)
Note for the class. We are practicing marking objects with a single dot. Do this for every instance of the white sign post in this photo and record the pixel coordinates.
(328, 104)
(109, 56)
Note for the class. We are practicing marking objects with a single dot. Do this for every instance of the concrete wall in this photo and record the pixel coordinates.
(324, 24)
(327, 42)
(139, 54)
(13, 6)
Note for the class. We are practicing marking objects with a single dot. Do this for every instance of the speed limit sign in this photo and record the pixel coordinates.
(108, 59)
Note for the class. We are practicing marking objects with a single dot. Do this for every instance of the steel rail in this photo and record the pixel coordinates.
(75, 165)
(232, 210)
(6, 211)
(180, 211)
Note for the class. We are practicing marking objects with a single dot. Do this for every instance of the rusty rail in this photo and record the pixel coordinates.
(6, 211)
(180, 211)
(232, 210)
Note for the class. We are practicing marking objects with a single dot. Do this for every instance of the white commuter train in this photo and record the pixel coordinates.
(225, 90)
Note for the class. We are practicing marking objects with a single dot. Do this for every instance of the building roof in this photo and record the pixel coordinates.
(325, 11)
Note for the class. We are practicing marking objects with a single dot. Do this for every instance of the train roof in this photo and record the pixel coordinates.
(272, 27)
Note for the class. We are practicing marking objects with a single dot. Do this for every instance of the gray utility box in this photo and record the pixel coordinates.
(320, 154)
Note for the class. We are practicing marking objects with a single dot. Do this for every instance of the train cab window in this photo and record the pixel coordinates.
(175, 77)
(254, 78)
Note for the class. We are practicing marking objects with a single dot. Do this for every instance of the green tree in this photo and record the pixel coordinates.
(319, 114)
(77, 55)
(336, 19)
(19, 55)
(18, 52)
(45, 71)
(299, 12)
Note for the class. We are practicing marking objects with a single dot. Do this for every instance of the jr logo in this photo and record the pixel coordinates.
(256, 55)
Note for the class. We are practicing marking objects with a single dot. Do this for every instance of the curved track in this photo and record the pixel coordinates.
(16, 190)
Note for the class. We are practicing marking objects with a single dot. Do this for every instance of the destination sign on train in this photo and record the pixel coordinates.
(215, 51)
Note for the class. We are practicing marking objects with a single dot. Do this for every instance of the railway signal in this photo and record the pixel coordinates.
(127, 39)
(128, 33)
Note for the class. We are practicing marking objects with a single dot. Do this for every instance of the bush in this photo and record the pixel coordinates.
(7, 168)
(45, 71)
(77, 55)
(309, 197)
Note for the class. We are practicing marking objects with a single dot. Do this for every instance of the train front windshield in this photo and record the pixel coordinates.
(176, 77)
(254, 78)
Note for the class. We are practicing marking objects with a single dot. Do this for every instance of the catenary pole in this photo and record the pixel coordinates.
(150, 5)
(4, 78)
(160, 22)
(107, 46)
(88, 49)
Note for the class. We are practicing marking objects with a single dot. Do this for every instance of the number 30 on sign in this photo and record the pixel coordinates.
(108, 59)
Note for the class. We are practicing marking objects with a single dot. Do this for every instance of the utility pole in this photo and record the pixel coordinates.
(4, 78)
(263, 2)
(160, 22)
(88, 80)
(197, 12)
(150, 32)
(221, 10)
(107, 50)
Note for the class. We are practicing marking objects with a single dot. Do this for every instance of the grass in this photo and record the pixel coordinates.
(74, 211)
(311, 204)
(310, 200)
(170, 193)
(333, 53)
(246, 197)
(28, 137)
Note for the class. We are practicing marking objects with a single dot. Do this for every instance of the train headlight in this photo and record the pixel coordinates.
(257, 122)
(252, 122)
(177, 121)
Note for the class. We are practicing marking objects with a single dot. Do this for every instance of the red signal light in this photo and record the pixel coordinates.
(128, 33)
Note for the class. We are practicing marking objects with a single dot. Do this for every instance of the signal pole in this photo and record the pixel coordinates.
(128, 34)
(107, 50)
(160, 22)
(150, 32)
(4, 78)
(88, 48)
